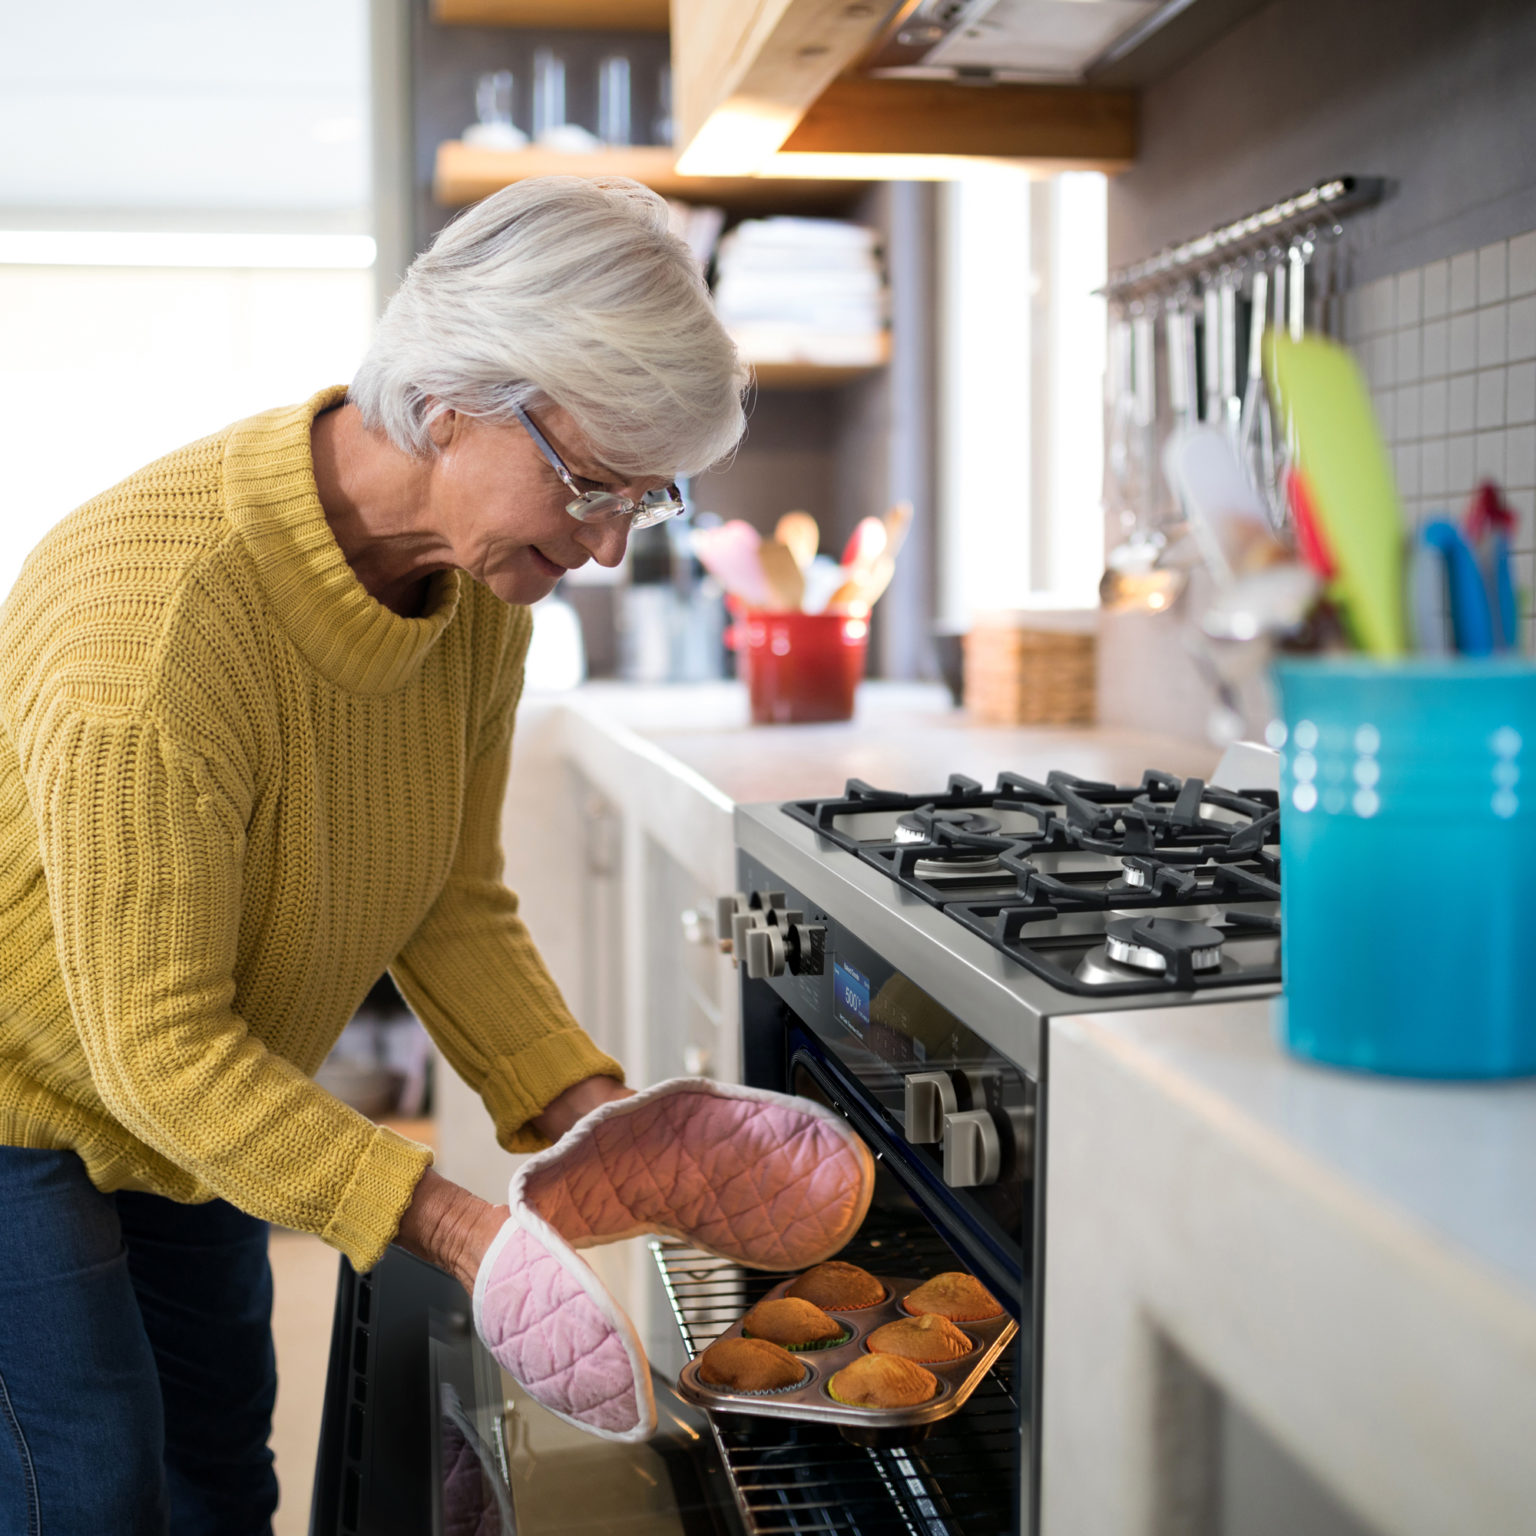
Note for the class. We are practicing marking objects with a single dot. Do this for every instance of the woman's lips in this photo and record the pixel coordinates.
(549, 567)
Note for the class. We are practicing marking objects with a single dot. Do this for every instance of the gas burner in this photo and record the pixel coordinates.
(1134, 942)
(962, 867)
(919, 826)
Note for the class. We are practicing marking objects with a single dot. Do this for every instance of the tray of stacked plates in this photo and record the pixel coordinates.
(869, 1353)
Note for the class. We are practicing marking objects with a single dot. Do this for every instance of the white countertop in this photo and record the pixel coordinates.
(902, 736)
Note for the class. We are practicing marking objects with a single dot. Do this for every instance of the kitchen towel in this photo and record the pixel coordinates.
(759, 1178)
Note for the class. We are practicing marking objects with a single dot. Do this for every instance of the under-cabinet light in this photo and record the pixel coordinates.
(153, 248)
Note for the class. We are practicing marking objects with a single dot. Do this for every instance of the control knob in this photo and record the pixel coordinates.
(973, 1151)
(930, 1100)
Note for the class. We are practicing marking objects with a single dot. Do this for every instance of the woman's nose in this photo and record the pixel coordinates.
(606, 540)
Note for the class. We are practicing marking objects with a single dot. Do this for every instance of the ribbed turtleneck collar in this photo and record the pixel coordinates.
(345, 633)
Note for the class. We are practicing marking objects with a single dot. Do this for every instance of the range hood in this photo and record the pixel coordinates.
(1054, 41)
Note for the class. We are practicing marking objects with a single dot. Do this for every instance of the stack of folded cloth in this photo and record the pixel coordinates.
(802, 291)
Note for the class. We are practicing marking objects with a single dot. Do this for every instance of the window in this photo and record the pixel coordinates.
(1021, 364)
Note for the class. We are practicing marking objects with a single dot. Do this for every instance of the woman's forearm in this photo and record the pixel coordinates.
(576, 1101)
(448, 1226)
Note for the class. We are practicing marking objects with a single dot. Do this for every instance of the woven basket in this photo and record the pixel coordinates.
(1016, 675)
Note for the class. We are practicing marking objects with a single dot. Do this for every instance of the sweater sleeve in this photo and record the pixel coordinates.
(475, 978)
(143, 843)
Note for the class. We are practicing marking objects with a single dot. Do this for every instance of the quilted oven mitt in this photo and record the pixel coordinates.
(760, 1178)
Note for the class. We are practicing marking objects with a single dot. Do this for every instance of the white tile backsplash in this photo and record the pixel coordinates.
(1492, 335)
(1522, 329)
(1520, 457)
(1450, 353)
(1463, 282)
(1522, 265)
(1434, 409)
(1493, 273)
(1488, 457)
(1463, 403)
(1490, 398)
(1520, 392)
(1437, 289)
(1463, 343)
(1435, 354)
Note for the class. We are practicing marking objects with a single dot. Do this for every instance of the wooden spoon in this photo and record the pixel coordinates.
(786, 581)
(897, 521)
(799, 533)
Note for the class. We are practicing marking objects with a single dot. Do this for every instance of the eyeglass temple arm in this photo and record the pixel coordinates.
(544, 446)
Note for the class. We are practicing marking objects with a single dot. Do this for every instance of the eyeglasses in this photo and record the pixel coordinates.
(599, 506)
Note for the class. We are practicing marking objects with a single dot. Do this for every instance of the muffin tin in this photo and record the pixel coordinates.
(957, 1378)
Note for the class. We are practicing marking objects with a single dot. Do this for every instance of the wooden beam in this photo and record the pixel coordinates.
(743, 75)
(1065, 126)
(587, 15)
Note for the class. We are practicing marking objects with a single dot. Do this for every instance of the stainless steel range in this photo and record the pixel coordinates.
(901, 955)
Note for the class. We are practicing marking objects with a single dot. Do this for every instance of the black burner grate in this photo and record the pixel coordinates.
(1075, 847)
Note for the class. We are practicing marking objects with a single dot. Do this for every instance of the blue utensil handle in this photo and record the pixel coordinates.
(1471, 612)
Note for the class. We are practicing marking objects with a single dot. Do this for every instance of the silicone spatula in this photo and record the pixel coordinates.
(1429, 599)
(1340, 451)
(1471, 616)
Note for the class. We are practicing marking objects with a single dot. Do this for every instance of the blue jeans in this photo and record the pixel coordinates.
(137, 1374)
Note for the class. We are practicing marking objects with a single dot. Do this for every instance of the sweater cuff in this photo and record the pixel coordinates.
(519, 1088)
(376, 1197)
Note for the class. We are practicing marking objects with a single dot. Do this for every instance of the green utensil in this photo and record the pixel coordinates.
(1339, 447)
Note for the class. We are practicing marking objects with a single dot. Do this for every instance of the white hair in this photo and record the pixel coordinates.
(566, 291)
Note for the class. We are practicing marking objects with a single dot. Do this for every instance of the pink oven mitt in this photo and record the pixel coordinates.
(760, 1178)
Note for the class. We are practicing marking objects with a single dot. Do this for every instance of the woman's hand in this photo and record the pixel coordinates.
(576, 1101)
(449, 1227)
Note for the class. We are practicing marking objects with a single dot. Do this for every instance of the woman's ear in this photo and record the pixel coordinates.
(443, 426)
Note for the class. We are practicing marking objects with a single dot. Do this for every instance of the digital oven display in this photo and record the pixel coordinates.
(850, 998)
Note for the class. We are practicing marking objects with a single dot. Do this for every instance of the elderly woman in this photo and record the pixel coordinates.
(256, 709)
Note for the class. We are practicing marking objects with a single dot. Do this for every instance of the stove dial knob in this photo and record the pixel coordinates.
(808, 949)
(930, 1100)
(765, 953)
(973, 1152)
(726, 908)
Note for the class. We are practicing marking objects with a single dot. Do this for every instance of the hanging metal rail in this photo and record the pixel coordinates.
(1317, 207)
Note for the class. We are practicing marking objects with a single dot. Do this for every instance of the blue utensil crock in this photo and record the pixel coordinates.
(1408, 865)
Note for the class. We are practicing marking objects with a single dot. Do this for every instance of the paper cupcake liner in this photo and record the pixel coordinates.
(805, 1349)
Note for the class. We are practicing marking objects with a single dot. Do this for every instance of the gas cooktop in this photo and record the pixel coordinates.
(1170, 885)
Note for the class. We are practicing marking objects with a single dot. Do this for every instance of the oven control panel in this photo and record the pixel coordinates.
(952, 1108)
(769, 937)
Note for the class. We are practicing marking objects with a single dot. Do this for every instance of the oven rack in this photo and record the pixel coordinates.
(790, 1478)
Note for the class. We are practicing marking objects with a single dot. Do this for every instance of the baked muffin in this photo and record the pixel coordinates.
(838, 1287)
(749, 1365)
(882, 1381)
(792, 1323)
(926, 1338)
(960, 1297)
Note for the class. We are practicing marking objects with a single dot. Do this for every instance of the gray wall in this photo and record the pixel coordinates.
(1439, 96)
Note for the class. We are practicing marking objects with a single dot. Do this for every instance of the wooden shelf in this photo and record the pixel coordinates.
(777, 376)
(465, 173)
(587, 15)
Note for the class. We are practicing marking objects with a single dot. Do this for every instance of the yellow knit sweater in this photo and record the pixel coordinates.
(233, 789)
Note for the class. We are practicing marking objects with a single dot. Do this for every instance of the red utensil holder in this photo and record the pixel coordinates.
(801, 667)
